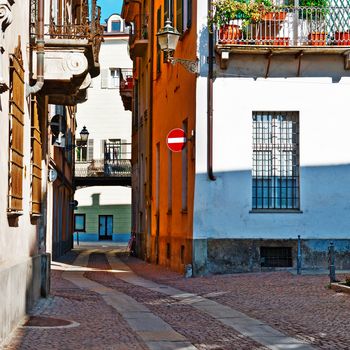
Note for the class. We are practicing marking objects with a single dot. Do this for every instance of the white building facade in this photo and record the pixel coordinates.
(104, 212)
(280, 156)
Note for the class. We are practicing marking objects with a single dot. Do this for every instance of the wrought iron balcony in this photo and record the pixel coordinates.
(138, 36)
(72, 46)
(126, 87)
(102, 168)
(114, 169)
(299, 27)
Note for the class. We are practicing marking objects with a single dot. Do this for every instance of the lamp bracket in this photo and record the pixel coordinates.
(190, 66)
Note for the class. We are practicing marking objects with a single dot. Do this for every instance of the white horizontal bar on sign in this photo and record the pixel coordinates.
(177, 140)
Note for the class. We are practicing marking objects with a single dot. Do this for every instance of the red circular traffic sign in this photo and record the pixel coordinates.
(176, 140)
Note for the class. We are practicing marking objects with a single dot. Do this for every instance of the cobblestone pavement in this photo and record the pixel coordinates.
(100, 327)
(200, 329)
(299, 306)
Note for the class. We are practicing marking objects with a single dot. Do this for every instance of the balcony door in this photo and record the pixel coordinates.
(105, 227)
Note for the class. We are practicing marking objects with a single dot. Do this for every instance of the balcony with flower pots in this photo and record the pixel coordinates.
(263, 27)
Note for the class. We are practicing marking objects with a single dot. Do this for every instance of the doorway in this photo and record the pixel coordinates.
(105, 227)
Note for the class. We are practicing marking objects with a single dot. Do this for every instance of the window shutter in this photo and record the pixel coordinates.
(36, 158)
(179, 15)
(189, 13)
(104, 78)
(69, 149)
(103, 145)
(90, 153)
(159, 52)
(124, 150)
(16, 116)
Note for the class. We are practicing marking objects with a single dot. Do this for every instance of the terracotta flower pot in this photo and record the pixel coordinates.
(317, 38)
(229, 34)
(275, 16)
(342, 38)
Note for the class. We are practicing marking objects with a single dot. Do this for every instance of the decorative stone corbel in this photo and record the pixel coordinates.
(5, 14)
(5, 20)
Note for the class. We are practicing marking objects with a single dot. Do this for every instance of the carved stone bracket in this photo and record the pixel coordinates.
(5, 13)
(63, 65)
(5, 20)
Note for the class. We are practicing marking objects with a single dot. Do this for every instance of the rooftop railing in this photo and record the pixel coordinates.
(289, 26)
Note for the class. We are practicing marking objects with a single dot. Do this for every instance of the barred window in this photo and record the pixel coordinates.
(16, 120)
(275, 171)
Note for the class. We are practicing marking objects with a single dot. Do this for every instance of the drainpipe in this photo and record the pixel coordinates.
(150, 118)
(40, 47)
(210, 99)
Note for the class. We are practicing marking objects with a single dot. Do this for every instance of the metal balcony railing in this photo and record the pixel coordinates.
(138, 29)
(290, 26)
(87, 26)
(116, 162)
(101, 168)
(126, 80)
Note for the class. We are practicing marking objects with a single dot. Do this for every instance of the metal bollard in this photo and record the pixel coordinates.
(299, 256)
(331, 260)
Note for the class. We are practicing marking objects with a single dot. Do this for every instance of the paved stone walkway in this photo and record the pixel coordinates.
(155, 333)
(112, 307)
(245, 325)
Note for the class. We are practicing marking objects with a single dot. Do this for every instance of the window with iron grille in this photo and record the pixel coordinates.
(275, 172)
(16, 119)
(276, 257)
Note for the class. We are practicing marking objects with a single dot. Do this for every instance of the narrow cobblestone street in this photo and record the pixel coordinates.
(103, 299)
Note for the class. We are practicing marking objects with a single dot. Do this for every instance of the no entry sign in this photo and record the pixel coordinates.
(176, 140)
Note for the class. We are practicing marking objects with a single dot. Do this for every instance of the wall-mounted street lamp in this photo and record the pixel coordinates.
(168, 38)
(84, 135)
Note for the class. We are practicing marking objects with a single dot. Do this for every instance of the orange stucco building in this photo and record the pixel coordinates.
(164, 98)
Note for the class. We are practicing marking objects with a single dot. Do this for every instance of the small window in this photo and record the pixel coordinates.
(79, 222)
(84, 152)
(81, 152)
(115, 26)
(276, 257)
(114, 78)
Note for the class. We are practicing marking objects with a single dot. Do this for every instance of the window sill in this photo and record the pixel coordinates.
(184, 211)
(169, 212)
(14, 213)
(275, 211)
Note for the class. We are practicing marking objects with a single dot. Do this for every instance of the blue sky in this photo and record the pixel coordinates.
(108, 7)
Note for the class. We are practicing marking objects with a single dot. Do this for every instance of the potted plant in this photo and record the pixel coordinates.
(314, 12)
(229, 16)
